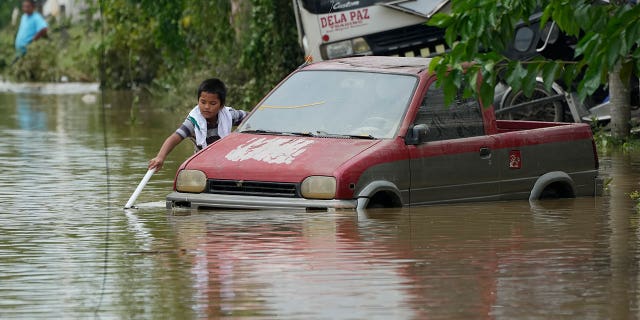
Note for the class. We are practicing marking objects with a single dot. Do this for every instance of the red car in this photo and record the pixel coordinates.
(375, 132)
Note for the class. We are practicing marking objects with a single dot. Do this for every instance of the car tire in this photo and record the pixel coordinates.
(550, 111)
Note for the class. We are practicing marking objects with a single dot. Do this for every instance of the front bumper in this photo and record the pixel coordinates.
(209, 200)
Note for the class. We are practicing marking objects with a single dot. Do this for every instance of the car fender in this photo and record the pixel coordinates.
(547, 179)
(374, 187)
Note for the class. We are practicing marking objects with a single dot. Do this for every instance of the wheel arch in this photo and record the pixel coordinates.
(556, 179)
(379, 187)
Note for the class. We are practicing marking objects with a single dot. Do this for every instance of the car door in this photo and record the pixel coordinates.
(454, 162)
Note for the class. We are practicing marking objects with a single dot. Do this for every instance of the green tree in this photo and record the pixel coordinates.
(479, 31)
(271, 49)
(251, 44)
(6, 8)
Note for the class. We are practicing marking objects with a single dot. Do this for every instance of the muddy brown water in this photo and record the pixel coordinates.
(563, 259)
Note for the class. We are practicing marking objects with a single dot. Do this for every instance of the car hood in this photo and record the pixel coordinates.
(275, 158)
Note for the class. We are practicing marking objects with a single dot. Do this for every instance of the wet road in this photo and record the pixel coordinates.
(564, 259)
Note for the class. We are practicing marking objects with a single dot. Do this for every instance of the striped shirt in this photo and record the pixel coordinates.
(187, 129)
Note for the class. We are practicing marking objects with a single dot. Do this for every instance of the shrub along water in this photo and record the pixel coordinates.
(167, 47)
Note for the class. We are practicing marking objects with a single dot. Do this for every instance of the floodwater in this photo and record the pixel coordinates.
(69, 250)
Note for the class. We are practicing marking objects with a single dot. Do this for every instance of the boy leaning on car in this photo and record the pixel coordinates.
(207, 122)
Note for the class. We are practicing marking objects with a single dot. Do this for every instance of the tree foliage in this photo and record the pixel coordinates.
(66, 53)
(132, 43)
(167, 47)
(478, 31)
(271, 49)
(251, 45)
(6, 8)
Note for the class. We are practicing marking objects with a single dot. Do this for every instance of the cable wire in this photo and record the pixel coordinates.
(105, 262)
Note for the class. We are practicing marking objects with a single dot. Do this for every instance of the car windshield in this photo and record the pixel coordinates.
(329, 6)
(335, 103)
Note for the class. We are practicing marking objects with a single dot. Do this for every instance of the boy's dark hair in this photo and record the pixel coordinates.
(32, 2)
(213, 85)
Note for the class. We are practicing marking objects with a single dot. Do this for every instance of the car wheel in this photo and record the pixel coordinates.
(550, 111)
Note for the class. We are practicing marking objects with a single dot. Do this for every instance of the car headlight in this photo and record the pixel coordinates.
(346, 48)
(194, 181)
(360, 46)
(318, 187)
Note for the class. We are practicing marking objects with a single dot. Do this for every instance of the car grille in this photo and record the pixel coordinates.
(253, 188)
(417, 40)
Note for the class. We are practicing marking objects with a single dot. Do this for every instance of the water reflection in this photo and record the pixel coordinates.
(29, 118)
(575, 258)
(54, 211)
(289, 265)
(472, 261)
(622, 240)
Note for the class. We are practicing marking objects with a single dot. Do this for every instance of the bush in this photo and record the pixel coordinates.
(39, 64)
(167, 47)
(67, 51)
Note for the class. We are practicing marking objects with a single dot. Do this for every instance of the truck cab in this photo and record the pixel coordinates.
(365, 132)
(335, 29)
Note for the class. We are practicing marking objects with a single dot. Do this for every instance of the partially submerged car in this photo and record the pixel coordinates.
(376, 132)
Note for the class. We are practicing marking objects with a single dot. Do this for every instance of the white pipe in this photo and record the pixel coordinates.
(546, 41)
(136, 193)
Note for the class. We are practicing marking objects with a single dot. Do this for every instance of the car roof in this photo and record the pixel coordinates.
(385, 64)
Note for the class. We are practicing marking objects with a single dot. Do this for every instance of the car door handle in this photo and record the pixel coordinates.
(485, 152)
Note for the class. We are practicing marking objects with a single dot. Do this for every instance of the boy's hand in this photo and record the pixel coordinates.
(157, 163)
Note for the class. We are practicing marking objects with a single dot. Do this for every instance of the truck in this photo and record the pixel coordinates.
(367, 132)
(330, 29)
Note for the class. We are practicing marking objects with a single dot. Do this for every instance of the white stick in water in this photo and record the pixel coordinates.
(136, 193)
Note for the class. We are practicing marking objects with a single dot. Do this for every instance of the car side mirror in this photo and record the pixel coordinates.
(417, 134)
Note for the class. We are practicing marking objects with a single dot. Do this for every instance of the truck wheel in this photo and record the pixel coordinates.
(384, 200)
(557, 190)
(550, 111)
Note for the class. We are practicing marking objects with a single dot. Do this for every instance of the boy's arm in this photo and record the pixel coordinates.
(42, 27)
(237, 116)
(40, 34)
(168, 145)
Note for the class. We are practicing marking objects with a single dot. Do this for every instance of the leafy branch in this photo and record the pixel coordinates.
(481, 31)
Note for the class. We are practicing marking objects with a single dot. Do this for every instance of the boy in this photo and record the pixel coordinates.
(32, 27)
(209, 121)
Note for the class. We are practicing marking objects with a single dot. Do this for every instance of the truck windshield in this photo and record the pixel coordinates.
(335, 103)
(328, 6)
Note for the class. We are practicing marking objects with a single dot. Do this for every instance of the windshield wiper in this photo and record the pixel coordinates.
(352, 136)
(302, 134)
(260, 131)
(309, 134)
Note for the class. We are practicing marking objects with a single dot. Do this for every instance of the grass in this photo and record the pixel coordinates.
(606, 143)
